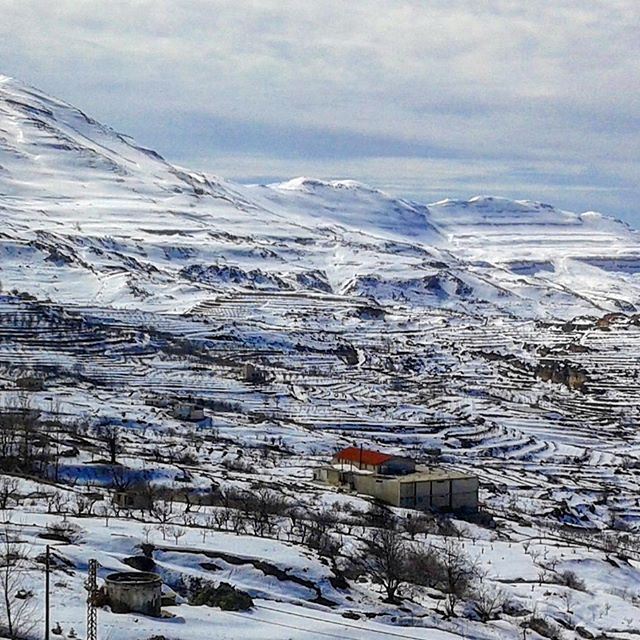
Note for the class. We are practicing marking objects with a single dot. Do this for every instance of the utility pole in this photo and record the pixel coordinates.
(47, 569)
(92, 588)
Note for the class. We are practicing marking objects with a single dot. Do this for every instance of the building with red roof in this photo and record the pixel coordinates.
(397, 481)
(375, 461)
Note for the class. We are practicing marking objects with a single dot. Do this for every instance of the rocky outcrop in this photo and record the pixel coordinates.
(564, 373)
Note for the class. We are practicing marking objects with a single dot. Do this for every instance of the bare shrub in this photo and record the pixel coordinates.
(488, 602)
(571, 580)
(425, 567)
(322, 541)
(380, 517)
(239, 465)
(418, 523)
(63, 531)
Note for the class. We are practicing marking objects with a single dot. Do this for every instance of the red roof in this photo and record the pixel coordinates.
(364, 456)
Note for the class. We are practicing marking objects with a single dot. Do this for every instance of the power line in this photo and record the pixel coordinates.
(347, 625)
(315, 632)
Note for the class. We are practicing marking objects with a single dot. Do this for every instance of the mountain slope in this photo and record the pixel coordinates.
(90, 216)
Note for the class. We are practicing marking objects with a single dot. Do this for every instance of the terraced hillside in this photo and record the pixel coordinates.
(335, 375)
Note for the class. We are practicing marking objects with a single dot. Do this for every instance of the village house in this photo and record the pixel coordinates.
(188, 411)
(398, 481)
(251, 373)
(133, 498)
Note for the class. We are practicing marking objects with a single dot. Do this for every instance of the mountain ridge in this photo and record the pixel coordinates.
(69, 183)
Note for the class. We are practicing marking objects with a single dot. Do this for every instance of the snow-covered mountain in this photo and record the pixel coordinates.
(493, 336)
(89, 216)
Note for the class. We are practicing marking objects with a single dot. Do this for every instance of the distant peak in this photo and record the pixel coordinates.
(308, 185)
(299, 184)
(497, 203)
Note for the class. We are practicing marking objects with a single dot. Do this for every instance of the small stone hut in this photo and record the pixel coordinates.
(251, 373)
(188, 411)
(138, 496)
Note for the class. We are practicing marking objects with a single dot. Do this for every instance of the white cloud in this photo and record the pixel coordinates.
(500, 78)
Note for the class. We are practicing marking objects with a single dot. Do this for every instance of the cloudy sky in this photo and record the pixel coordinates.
(425, 98)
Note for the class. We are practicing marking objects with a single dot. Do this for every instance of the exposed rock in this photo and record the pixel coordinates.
(224, 596)
(141, 563)
(562, 373)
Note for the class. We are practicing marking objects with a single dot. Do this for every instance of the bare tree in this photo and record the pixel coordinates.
(26, 423)
(237, 521)
(162, 510)
(121, 478)
(295, 515)
(176, 533)
(17, 605)
(488, 601)
(386, 561)
(85, 503)
(220, 518)
(8, 491)
(19, 437)
(149, 494)
(417, 523)
(147, 530)
(57, 502)
(458, 572)
(110, 435)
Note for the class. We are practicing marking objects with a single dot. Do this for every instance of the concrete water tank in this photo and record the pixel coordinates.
(134, 591)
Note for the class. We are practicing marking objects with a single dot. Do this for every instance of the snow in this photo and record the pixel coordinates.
(400, 325)
(130, 223)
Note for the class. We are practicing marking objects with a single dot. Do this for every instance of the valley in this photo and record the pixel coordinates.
(492, 336)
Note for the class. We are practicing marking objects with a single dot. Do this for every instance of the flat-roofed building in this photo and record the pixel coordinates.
(426, 488)
(396, 480)
(189, 411)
